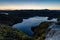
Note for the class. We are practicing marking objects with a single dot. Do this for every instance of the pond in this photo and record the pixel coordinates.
(26, 25)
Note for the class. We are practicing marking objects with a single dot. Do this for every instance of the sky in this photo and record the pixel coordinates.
(29, 4)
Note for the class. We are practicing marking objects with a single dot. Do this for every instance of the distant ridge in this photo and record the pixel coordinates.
(24, 9)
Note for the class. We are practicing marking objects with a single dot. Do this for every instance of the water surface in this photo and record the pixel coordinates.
(26, 25)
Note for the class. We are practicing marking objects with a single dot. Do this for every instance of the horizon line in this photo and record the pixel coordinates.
(29, 9)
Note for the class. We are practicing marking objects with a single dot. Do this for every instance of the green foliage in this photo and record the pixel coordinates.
(58, 23)
(9, 33)
(40, 31)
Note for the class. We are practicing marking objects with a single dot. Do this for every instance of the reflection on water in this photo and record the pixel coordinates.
(26, 25)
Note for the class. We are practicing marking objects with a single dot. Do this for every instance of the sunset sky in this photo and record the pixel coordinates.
(29, 4)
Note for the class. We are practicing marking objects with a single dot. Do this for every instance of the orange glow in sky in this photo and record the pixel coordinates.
(29, 7)
(29, 4)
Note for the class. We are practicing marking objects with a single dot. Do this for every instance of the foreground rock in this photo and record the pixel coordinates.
(54, 33)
